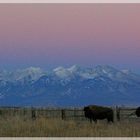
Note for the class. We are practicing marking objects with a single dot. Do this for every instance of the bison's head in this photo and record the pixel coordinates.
(86, 108)
(138, 112)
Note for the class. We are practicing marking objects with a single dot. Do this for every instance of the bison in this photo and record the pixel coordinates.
(138, 112)
(94, 112)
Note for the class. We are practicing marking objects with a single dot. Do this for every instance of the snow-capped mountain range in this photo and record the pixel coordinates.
(74, 86)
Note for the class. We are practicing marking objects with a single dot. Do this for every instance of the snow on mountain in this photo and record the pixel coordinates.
(74, 68)
(5, 75)
(111, 73)
(62, 72)
(73, 71)
(126, 71)
(106, 71)
(28, 74)
(74, 85)
(88, 75)
(31, 73)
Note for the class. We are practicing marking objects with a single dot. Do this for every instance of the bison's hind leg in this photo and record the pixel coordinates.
(90, 120)
(95, 120)
(110, 120)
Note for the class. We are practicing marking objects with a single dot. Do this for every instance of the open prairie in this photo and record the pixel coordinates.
(68, 122)
(22, 127)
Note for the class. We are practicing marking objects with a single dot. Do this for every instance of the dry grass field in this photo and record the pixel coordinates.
(21, 127)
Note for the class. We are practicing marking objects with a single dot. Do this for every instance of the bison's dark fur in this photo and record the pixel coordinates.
(95, 113)
(138, 112)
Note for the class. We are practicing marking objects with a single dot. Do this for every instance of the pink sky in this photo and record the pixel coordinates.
(49, 35)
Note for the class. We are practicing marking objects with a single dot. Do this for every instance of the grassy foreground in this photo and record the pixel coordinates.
(18, 127)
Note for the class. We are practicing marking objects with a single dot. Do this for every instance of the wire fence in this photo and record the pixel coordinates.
(120, 113)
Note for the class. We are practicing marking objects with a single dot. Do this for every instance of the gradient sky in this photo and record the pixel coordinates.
(51, 35)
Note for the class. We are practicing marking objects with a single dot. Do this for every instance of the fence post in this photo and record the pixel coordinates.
(114, 114)
(0, 112)
(74, 113)
(63, 114)
(46, 113)
(33, 114)
(24, 111)
(118, 113)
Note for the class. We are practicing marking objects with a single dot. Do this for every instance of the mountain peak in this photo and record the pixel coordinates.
(74, 85)
(30, 70)
(126, 71)
(59, 69)
(34, 69)
(61, 72)
(105, 69)
(74, 68)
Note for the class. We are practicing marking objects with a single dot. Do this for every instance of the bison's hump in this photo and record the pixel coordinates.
(95, 108)
(138, 111)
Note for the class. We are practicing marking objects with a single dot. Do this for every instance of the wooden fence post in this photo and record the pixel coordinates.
(118, 113)
(114, 114)
(46, 113)
(63, 114)
(74, 113)
(33, 114)
(0, 112)
(24, 111)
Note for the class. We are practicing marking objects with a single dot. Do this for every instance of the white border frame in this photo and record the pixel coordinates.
(69, 1)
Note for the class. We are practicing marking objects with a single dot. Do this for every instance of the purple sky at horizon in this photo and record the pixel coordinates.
(51, 35)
